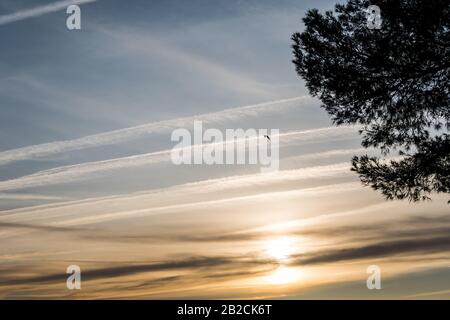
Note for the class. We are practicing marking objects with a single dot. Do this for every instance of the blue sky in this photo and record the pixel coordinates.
(86, 178)
(203, 59)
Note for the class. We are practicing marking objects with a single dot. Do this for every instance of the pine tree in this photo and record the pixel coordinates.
(393, 81)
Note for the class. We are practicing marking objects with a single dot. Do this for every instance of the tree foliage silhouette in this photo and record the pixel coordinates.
(393, 82)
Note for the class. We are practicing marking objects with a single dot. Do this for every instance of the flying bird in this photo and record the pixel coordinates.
(266, 136)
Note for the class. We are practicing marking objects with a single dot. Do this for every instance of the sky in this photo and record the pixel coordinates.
(86, 176)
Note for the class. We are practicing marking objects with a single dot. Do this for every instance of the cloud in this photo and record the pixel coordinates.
(377, 250)
(126, 134)
(355, 233)
(135, 43)
(443, 293)
(60, 218)
(39, 11)
(35, 227)
(81, 171)
(219, 266)
(408, 237)
(205, 186)
(26, 196)
(190, 263)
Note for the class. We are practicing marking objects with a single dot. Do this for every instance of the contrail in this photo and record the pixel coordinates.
(81, 171)
(147, 201)
(39, 11)
(126, 214)
(19, 196)
(126, 134)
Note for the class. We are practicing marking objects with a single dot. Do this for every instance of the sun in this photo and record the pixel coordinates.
(280, 249)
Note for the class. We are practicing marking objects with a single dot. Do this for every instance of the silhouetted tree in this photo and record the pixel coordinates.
(393, 82)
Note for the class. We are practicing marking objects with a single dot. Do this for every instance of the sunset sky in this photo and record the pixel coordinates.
(86, 177)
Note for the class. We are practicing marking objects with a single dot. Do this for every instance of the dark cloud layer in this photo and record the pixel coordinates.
(191, 263)
(377, 250)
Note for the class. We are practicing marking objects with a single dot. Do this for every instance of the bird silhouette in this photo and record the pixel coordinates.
(266, 136)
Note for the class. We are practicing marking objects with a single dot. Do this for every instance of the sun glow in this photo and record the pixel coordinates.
(281, 248)
(283, 275)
